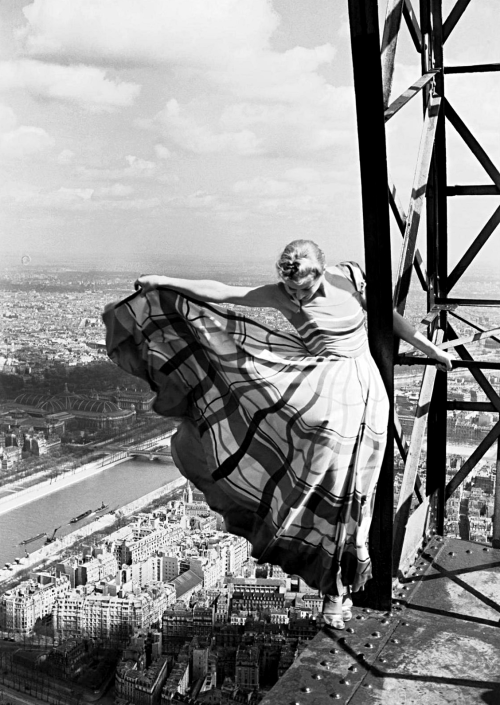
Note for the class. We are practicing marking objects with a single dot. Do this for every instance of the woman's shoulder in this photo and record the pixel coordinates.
(352, 271)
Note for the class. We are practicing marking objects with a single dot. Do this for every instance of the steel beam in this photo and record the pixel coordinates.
(458, 405)
(412, 24)
(472, 324)
(390, 36)
(408, 94)
(471, 463)
(472, 144)
(452, 19)
(474, 249)
(413, 459)
(473, 68)
(473, 190)
(476, 373)
(468, 364)
(437, 266)
(365, 45)
(449, 301)
(416, 205)
(400, 217)
(496, 506)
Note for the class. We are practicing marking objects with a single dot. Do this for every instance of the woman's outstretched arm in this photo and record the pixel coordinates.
(407, 332)
(209, 290)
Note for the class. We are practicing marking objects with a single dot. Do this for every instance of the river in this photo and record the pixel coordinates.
(116, 486)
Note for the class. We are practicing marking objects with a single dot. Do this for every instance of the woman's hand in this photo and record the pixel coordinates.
(443, 360)
(147, 283)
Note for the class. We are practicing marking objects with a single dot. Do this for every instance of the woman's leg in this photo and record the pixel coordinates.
(347, 604)
(332, 611)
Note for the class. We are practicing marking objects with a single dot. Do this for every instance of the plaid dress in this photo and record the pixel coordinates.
(283, 432)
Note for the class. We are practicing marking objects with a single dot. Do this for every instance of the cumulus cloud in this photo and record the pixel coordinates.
(86, 86)
(188, 32)
(25, 142)
(193, 133)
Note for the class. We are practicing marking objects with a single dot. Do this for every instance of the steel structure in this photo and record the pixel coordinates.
(373, 63)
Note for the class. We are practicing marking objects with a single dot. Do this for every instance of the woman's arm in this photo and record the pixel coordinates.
(407, 332)
(209, 290)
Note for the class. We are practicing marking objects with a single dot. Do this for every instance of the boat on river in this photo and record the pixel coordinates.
(102, 507)
(33, 538)
(81, 516)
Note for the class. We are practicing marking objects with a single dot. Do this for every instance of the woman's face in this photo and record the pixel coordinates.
(303, 291)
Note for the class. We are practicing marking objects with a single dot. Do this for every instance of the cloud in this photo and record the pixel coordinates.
(65, 157)
(78, 199)
(85, 86)
(25, 142)
(136, 169)
(127, 32)
(115, 191)
(8, 120)
(196, 135)
(162, 152)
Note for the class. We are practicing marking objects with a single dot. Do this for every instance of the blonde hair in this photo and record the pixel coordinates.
(301, 259)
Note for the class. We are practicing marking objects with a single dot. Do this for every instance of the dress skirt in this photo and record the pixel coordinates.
(287, 446)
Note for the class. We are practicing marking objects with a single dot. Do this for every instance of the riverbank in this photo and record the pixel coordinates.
(101, 524)
(45, 487)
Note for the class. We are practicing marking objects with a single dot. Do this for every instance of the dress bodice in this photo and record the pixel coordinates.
(332, 324)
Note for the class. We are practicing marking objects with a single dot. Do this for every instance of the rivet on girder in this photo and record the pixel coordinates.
(395, 641)
(317, 676)
(388, 614)
(383, 660)
(376, 635)
(468, 551)
(406, 624)
(306, 689)
(326, 664)
(385, 621)
(452, 553)
(345, 681)
(350, 630)
(360, 617)
(295, 702)
(353, 669)
(367, 685)
(486, 549)
(335, 696)
(334, 651)
(369, 646)
(367, 610)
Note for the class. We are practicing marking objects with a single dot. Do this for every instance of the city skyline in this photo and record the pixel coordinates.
(194, 131)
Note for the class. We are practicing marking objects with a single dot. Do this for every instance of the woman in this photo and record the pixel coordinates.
(283, 432)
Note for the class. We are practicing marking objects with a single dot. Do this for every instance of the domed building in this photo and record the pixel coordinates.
(89, 412)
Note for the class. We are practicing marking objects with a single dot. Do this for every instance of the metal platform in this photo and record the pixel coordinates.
(439, 645)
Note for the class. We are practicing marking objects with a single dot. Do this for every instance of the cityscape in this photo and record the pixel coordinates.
(150, 600)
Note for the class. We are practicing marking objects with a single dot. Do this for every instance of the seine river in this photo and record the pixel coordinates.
(116, 486)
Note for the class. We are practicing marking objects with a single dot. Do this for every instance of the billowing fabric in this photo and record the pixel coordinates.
(285, 443)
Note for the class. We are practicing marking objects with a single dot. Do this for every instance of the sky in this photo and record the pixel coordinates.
(162, 131)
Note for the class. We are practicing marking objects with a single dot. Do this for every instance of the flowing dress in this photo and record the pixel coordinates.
(283, 432)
